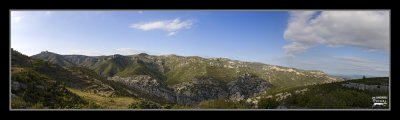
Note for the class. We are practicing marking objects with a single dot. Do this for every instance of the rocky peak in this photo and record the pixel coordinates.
(48, 53)
(116, 56)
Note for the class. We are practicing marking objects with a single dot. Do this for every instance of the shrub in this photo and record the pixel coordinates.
(220, 104)
(267, 103)
(144, 104)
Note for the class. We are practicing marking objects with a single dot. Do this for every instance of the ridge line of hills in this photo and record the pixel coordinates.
(168, 80)
(169, 61)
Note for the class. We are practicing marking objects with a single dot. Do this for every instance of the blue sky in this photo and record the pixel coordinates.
(336, 42)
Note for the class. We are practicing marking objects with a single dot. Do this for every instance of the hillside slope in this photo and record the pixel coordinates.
(173, 69)
(190, 80)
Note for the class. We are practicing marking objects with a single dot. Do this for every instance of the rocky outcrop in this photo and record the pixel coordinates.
(246, 86)
(148, 85)
(197, 90)
(16, 86)
(101, 89)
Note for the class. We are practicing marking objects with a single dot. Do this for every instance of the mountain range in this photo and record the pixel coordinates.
(159, 80)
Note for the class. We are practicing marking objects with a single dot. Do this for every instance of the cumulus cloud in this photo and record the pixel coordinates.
(368, 30)
(170, 26)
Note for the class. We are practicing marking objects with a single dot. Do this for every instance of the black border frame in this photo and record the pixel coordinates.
(214, 5)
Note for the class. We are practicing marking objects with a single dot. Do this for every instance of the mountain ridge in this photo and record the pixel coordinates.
(173, 79)
(140, 80)
(175, 69)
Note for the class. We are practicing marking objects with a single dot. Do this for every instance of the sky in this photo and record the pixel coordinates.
(336, 42)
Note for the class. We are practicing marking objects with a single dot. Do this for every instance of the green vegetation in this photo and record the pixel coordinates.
(39, 84)
(372, 81)
(268, 103)
(221, 104)
(55, 58)
(105, 102)
(35, 90)
(184, 73)
(327, 96)
(140, 69)
(19, 59)
(145, 104)
(176, 106)
(107, 68)
(323, 97)
(34, 86)
(221, 73)
(174, 69)
(119, 88)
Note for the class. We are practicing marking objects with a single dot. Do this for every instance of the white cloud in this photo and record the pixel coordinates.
(15, 17)
(352, 59)
(361, 64)
(170, 26)
(128, 51)
(296, 47)
(368, 30)
(171, 33)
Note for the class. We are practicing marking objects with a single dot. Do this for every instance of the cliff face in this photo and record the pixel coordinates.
(247, 86)
(197, 90)
(147, 85)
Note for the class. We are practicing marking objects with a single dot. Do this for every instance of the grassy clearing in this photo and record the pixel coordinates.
(105, 102)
